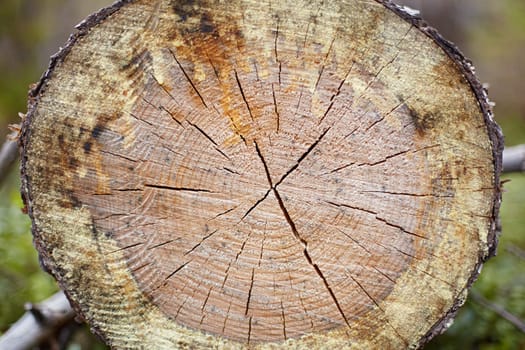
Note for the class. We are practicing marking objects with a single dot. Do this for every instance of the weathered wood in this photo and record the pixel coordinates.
(233, 174)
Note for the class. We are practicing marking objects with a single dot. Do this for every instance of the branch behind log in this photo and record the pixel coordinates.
(38, 323)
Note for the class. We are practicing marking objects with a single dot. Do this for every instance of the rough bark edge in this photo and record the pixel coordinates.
(464, 65)
(495, 134)
(83, 29)
(36, 90)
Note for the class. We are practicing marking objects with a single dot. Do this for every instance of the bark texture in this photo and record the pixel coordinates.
(242, 174)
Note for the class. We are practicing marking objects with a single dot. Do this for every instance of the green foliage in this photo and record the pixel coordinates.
(17, 62)
(514, 127)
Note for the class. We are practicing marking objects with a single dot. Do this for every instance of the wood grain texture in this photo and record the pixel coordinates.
(243, 174)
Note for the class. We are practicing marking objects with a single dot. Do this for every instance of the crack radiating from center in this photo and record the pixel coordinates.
(293, 227)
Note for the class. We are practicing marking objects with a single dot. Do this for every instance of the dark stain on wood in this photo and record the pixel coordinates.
(138, 64)
(97, 130)
(67, 160)
(94, 232)
(183, 8)
(73, 162)
(422, 123)
(206, 25)
(73, 199)
(100, 127)
(87, 146)
(443, 185)
(195, 31)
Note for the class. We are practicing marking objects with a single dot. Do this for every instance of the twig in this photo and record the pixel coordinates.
(8, 155)
(514, 159)
(517, 251)
(478, 298)
(38, 323)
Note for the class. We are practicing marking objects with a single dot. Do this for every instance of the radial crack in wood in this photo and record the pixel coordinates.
(258, 175)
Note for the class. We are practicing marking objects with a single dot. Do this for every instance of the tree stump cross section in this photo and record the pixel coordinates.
(198, 168)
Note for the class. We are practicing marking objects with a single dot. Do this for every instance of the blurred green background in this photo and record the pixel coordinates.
(491, 33)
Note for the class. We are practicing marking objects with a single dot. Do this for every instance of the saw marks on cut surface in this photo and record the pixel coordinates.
(269, 176)
(257, 183)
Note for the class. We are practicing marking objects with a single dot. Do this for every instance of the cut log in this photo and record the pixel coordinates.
(233, 174)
